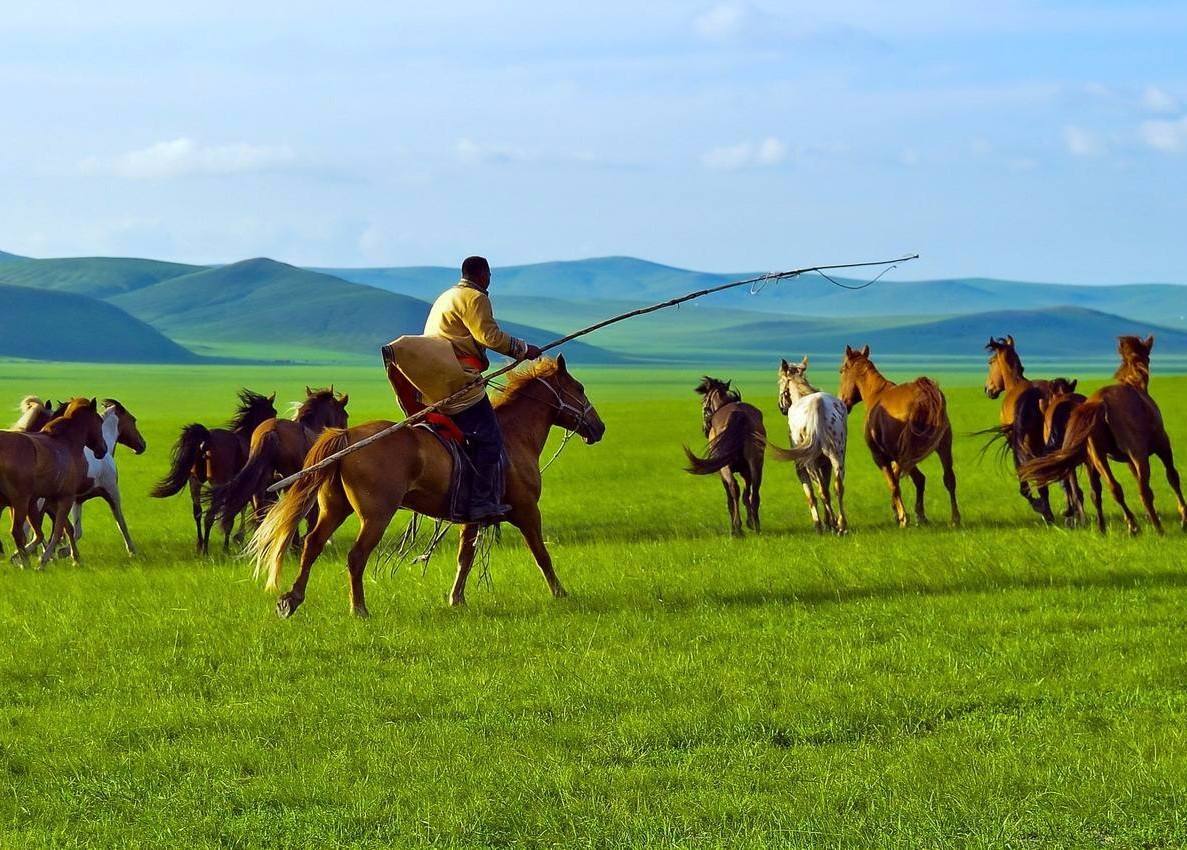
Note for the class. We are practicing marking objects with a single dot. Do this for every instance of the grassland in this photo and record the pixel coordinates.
(1000, 685)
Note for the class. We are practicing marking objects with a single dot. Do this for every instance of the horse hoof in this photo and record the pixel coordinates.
(457, 601)
(287, 605)
(360, 611)
(559, 592)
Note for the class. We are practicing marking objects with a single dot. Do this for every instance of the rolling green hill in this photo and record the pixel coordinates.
(6, 257)
(41, 325)
(262, 301)
(99, 277)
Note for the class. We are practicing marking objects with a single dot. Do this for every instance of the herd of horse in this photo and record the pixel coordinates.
(1047, 428)
(58, 456)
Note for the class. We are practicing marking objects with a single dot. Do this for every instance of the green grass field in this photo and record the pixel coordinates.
(998, 685)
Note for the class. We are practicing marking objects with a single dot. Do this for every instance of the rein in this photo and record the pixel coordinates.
(563, 406)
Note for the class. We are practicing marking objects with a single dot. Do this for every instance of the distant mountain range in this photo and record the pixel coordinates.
(261, 309)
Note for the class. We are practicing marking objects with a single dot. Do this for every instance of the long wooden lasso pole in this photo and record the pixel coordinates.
(419, 416)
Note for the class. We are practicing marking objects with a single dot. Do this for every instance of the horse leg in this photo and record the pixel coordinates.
(1141, 471)
(896, 494)
(920, 482)
(1164, 453)
(810, 496)
(1073, 514)
(944, 450)
(731, 500)
(328, 522)
(196, 499)
(19, 510)
(754, 488)
(467, 543)
(117, 510)
(1102, 464)
(61, 511)
(823, 473)
(1097, 501)
(839, 486)
(533, 533)
(76, 519)
(370, 533)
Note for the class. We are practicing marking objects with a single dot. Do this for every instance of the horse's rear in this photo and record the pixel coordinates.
(737, 440)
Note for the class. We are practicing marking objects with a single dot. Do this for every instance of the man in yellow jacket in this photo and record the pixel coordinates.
(463, 315)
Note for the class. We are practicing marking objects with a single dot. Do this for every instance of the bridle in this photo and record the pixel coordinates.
(562, 406)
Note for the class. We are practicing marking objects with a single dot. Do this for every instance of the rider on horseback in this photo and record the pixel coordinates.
(463, 315)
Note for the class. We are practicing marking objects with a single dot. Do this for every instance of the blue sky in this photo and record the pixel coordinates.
(1012, 139)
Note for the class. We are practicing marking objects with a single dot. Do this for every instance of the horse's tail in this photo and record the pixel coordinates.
(726, 448)
(802, 453)
(929, 419)
(1056, 466)
(186, 453)
(229, 500)
(277, 530)
(1001, 440)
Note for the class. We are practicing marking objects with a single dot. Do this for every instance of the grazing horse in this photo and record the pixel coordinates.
(1021, 424)
(119, 427)
(278, 448)
(411, 469)
(736, 440)
(49, 465)
(212, 456)
(1119, 422)
(904, 424)
(818, 426)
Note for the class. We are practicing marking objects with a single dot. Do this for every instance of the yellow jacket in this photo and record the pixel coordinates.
(463, 315)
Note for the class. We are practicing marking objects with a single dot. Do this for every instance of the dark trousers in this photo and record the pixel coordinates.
(484, 447)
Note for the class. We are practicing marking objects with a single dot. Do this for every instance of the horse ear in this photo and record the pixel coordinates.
(848, 351)
(1072, 384)
(342, 401)
(331, 389)
(865, 351)
(560, 363)
(804, 362)
(273, 396)
(1010, 340)
(784, 366)
(94, 404)
(1149, 343)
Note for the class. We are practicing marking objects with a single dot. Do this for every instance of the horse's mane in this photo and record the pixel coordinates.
(1135, 361)
(31, 407)
(516, 379)
(716, 385)
(63, 421)
(113, 404)
(250, 403)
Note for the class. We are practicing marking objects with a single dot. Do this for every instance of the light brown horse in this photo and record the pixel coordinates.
(210, 457)
(49, 465)
(278, 448)
(737, 439)
(35, 414)
(904, 423)
(1119, 422)
(1021, 424)
(411, 469)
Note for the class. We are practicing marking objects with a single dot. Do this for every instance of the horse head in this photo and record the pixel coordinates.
(127, 434)
(323, 408)
(1003, 361)
(574, 411)
(715, 393)
(793, 383)
(1135, 360)
(853, 366)
(83, 414)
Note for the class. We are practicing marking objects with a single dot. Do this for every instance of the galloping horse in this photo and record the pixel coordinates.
(35, 414)
(411, 469)
(736, 440)
(904, 424)
(1021, 425)
(818, 426)
(1119, 422)
(278, 446)
(213, 456)
(119, 427)
(49, 465)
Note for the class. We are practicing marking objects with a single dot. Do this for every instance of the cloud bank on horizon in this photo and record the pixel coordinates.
(1039, 140)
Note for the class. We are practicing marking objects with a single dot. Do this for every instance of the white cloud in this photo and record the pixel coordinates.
(1159, 101)
(184, 157)
(767, 152)
(1081, 142)
(470, 152)
(1165, 136)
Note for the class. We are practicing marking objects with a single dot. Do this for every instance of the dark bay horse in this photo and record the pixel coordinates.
(904, 423)
(1021, 424)
(278, 448)
(49, 465)
(1118, 422)
(737, 440)
(212, 456)
(411, 469)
